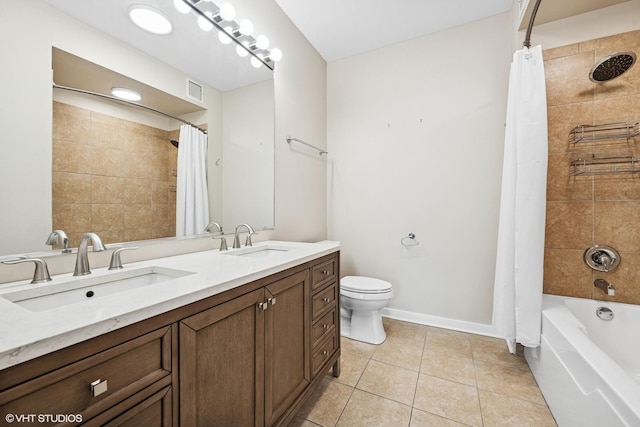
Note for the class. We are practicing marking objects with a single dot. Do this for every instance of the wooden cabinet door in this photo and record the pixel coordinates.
(287, 345)
(222, 364)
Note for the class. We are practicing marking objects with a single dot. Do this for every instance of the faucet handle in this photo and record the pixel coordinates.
(41, 273)
(57, 237)
(223, 241)
(116, 261)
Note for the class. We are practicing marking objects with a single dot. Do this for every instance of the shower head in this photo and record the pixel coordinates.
(175, 143)
(612, 66)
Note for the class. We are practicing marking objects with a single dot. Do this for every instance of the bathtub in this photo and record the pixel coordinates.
(588, 369)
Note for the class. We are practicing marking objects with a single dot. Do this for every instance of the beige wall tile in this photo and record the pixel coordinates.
(71, 188)
(562, 184)
(71, 157)
(569, 225)
(561, 119)
(558, 52)
(107, 217)
(566, 274)
(71, 123)
(107, 189)
(617, 226)
(562, 85)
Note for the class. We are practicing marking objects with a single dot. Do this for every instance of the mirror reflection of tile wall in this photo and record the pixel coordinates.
(112, 176)
(586, 209)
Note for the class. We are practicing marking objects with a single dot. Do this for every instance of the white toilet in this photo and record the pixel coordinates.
(361, 302)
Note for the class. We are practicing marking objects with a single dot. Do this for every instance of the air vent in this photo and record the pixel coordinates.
(195, 90)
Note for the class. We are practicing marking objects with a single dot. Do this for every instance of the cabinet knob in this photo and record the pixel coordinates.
(326, 299)
(325, 353)
(272, 301)
(325, 272)
(325, 326)
(263, 305)
(98, 387)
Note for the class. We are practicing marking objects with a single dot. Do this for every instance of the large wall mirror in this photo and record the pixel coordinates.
(77, 161)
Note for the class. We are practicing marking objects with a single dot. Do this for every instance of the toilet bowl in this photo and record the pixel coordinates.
(361, 302)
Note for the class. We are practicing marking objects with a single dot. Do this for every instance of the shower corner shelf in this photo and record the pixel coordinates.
(605, 165)
(605, 132)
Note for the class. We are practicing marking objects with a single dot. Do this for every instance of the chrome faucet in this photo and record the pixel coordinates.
(59, 237)
(207, 229)
(236, 238)
(41, 273)
(82, 261)
(605, 286)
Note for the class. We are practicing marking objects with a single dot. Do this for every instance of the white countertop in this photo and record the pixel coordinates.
(26, 334)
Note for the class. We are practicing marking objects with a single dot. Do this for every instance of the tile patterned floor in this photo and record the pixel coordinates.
(425, 376)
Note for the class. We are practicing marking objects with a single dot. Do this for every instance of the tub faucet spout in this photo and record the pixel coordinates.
(606, 287)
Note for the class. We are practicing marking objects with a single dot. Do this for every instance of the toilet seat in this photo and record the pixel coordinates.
(364, 285)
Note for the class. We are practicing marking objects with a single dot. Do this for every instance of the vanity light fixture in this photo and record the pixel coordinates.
(150, 19)
(127, 94)
(210, 16)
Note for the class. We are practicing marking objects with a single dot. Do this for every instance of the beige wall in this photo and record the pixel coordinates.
(591, 209)
(416, 134)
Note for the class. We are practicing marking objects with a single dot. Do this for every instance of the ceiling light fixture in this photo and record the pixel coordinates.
(127, 94)
(210, 16)
(150, 19)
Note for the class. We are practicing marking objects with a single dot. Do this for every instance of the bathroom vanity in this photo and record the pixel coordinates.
(242, 338)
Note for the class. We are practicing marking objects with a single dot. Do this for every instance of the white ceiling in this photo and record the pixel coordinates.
(342, 28)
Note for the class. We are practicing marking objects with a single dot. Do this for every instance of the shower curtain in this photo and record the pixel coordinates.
(520, 254)
(192, 201)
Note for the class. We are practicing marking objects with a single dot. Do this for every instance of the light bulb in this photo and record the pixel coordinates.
(256, 62)
(246, 27)
(181, 6)
(262, 42)
(227, 12)
(203, 23)
(276, 55)
(242, 52)
(223, 36)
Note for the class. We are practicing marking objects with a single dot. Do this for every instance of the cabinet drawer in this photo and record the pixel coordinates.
(323, 273)
(122, 371)
(323, 353)
(324, 327)
(324, 301)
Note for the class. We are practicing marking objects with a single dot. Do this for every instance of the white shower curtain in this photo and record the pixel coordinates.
(192, 201)
(520, 254)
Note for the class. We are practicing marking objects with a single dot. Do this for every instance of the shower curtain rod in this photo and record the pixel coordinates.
(534, 12)
(113, 98)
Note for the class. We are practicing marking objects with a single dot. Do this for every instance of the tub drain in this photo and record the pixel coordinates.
(604, 313)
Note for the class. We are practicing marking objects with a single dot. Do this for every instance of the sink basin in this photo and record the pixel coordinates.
(260, 251)
(76, 291)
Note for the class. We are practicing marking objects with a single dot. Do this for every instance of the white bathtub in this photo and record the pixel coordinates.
(588, 369)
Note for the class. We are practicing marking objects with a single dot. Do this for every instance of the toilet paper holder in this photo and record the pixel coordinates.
(409, 240)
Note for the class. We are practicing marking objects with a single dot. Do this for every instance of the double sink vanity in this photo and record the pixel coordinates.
(230, 338)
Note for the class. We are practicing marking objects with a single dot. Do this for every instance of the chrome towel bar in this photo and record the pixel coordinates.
(320, 150)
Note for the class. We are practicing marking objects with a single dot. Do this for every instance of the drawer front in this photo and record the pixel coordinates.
(323, 328)
(324, 273)
(324, 301)
(323, 353)
(116, 374)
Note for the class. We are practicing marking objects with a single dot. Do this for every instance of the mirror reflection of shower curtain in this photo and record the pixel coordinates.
(192, 201)
(520, 255)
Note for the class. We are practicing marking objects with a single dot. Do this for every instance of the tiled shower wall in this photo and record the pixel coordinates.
(598, 209)
(111, 176)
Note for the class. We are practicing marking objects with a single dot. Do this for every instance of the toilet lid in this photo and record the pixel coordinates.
(365, 285)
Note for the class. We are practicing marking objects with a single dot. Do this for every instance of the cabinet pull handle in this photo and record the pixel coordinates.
(263, 305)
(325, 353)
(272, 301)
(326, 299)
(98, 387)
(325, 272)
(325, 326)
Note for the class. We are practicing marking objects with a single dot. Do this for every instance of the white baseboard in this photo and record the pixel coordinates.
(440, 322)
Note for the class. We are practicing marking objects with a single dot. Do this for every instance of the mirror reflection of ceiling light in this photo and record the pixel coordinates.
(126, 94)
(150, 19)
(210, 16)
